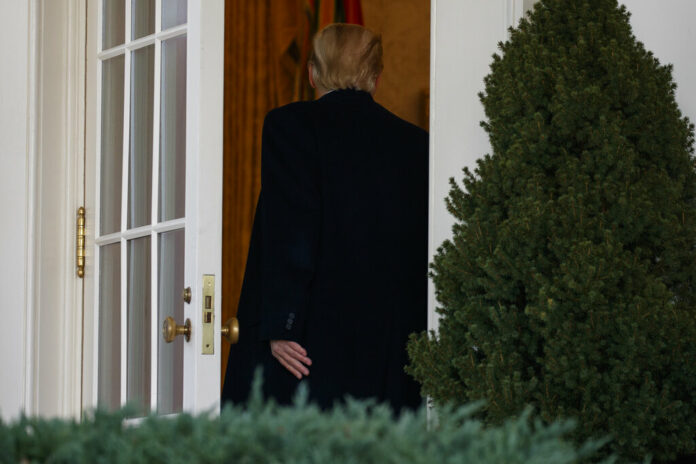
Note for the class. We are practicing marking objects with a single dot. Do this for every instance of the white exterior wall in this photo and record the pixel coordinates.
(667, 29)
(14, 201)
(464, 36)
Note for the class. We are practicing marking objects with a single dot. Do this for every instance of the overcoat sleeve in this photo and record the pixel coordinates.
(290, 216)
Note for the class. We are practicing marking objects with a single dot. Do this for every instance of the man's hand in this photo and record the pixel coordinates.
(292, 356)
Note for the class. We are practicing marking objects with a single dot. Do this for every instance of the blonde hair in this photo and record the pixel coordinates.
(346, 56)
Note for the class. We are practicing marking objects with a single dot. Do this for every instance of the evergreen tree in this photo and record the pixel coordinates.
(570, 280)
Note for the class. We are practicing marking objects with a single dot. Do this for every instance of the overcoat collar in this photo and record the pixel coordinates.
(347, 94)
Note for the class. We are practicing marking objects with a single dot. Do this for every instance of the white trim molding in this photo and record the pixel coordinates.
(31, 186)
(29, 244)
(55, 163)
(74, 198)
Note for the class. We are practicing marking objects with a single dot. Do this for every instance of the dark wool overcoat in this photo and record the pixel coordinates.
(338, 254)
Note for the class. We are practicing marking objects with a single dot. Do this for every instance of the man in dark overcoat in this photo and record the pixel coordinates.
(336, 277)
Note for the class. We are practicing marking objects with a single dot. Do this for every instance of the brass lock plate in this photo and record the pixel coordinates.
(208, 325)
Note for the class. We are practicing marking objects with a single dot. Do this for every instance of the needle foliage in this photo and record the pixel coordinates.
(570, 280)
(357, 432)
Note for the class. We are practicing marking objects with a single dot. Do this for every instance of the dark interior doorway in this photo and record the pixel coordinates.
(263, 46)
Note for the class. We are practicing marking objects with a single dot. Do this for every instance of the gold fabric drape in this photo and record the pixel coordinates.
(267, 44)
(260, 70)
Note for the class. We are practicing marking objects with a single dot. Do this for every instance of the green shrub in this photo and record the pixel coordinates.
(358, 432)
(570, 280)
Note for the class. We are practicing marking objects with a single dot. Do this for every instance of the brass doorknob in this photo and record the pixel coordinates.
(186, 295)
(230, 330)
(170, 330)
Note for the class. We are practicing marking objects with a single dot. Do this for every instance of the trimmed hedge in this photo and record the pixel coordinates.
(356, 432)
(569, 282)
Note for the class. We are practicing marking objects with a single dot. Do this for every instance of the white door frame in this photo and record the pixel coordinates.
(53, 314)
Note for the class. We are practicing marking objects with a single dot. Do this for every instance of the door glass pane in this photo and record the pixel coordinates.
(113, 23)
(140, 150)
(173, 130)
(139, 327)
(111, 144)
(173, 13)
(170, 368)
(109, 327)
(142, 18)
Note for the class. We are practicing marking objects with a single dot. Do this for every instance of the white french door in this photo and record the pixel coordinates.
(153, 194)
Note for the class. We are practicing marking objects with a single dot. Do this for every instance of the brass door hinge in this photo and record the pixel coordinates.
(81, 242)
